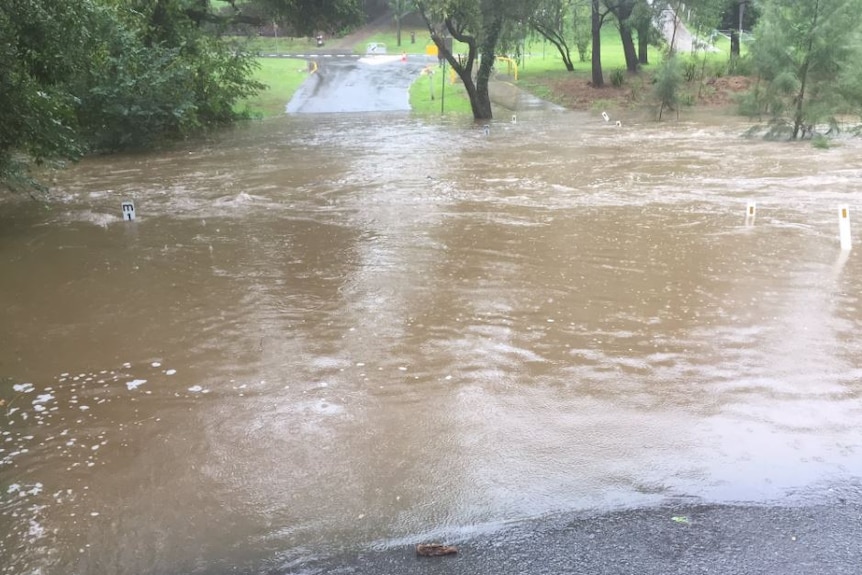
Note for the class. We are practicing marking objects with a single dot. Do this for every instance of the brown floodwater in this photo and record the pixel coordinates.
(331, 333)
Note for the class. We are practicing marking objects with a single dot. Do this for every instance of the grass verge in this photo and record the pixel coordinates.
(283, 77)
(429, 94)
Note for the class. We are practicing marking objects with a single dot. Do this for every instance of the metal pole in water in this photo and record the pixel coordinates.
(844, 227)
(487, 129)
(750, 213)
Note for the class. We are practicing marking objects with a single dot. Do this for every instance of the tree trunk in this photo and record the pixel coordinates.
(799, 112)
(629, 48)
(477, 90)
(734, 44)
(556, 38)
(482, 104)
(643, 43)
(398, 30)
(597, 76)
(623, 11)
(676, 22)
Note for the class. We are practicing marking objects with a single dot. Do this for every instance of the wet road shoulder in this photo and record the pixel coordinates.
(672, 539)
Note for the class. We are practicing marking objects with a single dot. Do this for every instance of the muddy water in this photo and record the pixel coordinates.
(329, 333)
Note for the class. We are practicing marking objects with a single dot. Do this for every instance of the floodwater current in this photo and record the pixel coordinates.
(339, 332)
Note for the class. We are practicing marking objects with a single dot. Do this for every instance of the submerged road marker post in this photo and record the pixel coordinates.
(750, 213)
(844, 227)
(487, 129)
(514, 118)
(606, 117)
(128, 211)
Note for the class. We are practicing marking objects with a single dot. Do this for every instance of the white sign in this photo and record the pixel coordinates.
(844, 227)
(750, 213)
(128, 211)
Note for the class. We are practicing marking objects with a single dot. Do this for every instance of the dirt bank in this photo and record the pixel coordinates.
(577, 92)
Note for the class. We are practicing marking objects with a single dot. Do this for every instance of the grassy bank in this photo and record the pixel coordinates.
(282, 76)
(431, 93)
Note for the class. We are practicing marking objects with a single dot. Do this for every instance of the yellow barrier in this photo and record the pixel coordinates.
(511, 66)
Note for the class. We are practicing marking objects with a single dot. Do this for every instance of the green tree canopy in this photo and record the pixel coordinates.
(478, 24)
(807, 53)
(104, 75)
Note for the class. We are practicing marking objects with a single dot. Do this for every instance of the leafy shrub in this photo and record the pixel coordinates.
(740, 66)
(690, 69)
(668, 80)
(716, 68)
(820, 142)
(618, 77)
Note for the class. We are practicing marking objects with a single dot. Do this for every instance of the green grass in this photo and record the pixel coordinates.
(283, 76)
(543, 57)
(455, 100)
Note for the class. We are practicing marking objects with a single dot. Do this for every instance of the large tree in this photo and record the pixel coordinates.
(478, 25)
(400, 9)
(104, 75)
(597, 20)
(553, 20)
(738, 15)
(643, 20)
(807, 52)
(623, 10)
(307, 17)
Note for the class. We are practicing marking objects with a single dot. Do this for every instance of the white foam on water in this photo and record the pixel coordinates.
(170, 371)
(23, 387)
(135, 383)
(156, 364)
(35, 531)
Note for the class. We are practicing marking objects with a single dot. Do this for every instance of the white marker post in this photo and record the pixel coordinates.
(844, 227)
(606, 117)
(128, 211)
(514, 119)
(487, 129)
(750, 213)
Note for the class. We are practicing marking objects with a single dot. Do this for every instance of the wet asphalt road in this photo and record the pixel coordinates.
(367, 84)
(823, 538)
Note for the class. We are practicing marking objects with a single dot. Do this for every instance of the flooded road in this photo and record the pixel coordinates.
(368, 84)
(329, 333)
